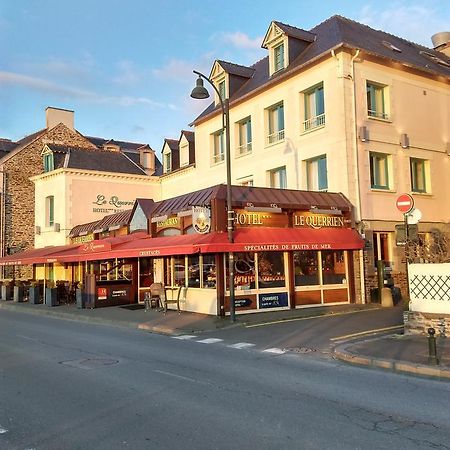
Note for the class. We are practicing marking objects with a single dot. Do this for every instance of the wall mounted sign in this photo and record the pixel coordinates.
(116, 204)
(316, 221)
(83, 239)
(244, 218)
(170, 222)
(274, 300)
(201, 219)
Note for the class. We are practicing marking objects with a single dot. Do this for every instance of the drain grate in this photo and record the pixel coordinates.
(90, 363)
(303, 350)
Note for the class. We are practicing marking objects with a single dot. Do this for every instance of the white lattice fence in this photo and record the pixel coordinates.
(429, 287)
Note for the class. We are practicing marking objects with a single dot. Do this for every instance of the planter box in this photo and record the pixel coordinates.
(34, 296)
(18, 294)
(7, 293)
(81, 298)
(51, 296)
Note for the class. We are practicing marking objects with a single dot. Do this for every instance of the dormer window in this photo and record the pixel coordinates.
(167, 162)
(49, 161)
(222, 90)
(278, 57)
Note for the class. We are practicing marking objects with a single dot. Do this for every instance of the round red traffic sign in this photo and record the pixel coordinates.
(404, 203)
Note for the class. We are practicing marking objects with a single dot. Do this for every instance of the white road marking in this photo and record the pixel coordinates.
(210, 341)
(184, 337)
(362, 333)
(3, 430)
(240, 345)
(277, 351)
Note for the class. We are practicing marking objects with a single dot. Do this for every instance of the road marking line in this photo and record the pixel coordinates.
(362, 333)
(184, 337)
(240, 345)
(3, 430)
(309, 318)
(277, 351)
(210, 341)
(170, 374)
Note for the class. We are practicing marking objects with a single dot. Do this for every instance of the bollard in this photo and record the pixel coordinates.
(432, 354)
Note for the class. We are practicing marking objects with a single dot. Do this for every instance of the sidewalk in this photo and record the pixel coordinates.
(399, 353)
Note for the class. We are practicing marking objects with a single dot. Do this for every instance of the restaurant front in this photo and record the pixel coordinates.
(291, 249)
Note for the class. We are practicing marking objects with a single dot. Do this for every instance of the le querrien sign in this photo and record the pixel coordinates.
(300, 219)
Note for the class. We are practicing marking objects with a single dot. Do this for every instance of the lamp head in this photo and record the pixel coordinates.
(199, 92)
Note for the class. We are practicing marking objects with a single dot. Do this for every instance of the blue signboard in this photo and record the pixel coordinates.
(274, 300)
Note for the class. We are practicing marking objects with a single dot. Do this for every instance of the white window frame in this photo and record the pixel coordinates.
(314, 108)
(313, 178)
(278, 178)
(167, 162)
(244, 128)
(377, 98)
(275, 124)
(218, 147)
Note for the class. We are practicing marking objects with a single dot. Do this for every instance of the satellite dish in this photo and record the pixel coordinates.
(414, 216)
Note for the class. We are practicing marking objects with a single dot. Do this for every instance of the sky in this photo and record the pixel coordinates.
(125, 67)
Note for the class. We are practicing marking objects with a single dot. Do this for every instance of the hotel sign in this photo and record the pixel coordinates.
(83, 239)
(317, 221)
(244, 218)
(171, 222)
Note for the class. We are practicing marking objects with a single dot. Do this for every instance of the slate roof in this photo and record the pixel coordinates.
(236, 69)
(118, 219)
(295, 32)
(98, 160)
(6, 145)
(172, 143)
(124, 145)
(339, 31)
(190, 135)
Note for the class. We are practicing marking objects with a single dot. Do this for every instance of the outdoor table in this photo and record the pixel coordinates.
(174, 296)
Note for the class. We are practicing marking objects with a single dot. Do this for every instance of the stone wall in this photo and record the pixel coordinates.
(418, 323)
(19, 190)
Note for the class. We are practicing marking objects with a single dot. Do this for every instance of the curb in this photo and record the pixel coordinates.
(341, 352)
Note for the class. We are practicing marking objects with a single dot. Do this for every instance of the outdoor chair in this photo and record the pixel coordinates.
(154, 297)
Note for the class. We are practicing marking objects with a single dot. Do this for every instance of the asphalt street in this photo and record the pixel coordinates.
(70, 385)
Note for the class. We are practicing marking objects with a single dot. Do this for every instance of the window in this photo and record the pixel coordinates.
(314, 108)
(246, 182)
(381, 248)
(49, 162)
(221, 89)
(306, 268)
(277, 178)
(184, 155)
(218, 147)
(50, 211)
(316, 174)
(379, 175)
(271, 270)
(278, 58)
(418, 175)
(167, 162)
(376, 101)
(245, 137)
(276, 123)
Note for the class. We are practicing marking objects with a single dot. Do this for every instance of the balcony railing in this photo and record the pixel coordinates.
(314, 122)
(275, 137)
(217, 158)
(377, 114)
(244, 149)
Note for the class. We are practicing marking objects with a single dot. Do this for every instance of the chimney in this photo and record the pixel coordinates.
(441, 42)
(54, 116)
(147, 159)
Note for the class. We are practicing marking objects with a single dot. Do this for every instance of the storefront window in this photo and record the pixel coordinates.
(209, 271)
(306, 268)
(333, 267)
(271, 270)
(244, 271)
(179, 271)
(193, 271)
(168, 271)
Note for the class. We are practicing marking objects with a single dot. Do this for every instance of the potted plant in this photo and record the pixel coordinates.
(18, 292)
(51, 294)
(80, 296)
(34, 295)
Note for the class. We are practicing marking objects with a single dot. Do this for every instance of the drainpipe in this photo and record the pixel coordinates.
(358, 217)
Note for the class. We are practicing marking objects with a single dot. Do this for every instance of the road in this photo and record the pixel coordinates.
(69, 385)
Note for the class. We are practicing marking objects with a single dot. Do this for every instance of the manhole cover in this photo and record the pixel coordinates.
(90, 363)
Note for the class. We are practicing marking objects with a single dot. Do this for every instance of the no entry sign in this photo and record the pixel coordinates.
(404, 203)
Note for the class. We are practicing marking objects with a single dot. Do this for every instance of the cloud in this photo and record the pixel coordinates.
(240, 40)
(176, 70)
(41, 85)
(415, 22)
(128, 74)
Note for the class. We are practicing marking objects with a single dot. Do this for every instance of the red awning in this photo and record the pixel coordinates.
(34, 256)
(279, 239)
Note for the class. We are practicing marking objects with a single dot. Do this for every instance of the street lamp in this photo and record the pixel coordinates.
(200, 92)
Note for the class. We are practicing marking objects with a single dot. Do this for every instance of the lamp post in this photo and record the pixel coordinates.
(200, 92)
